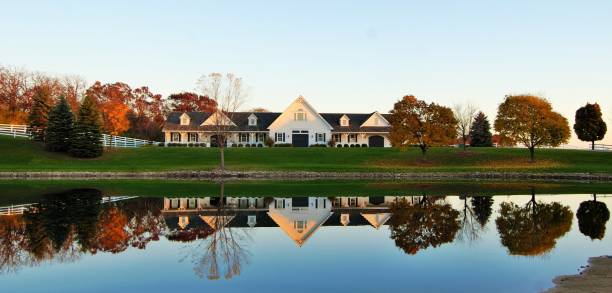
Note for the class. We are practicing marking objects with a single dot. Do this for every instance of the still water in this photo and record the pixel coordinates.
(82, 240)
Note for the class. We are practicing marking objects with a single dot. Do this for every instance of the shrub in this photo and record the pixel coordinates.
(357, 145)
(253, 145)
(282, 145)
(247, 145)
(269, 142)
(331, 143)
(352, 145)
(234, 145)
(364, 145)
(339, 145)
(346, 145)
(318, 145)
(259, 145)
(161, 144)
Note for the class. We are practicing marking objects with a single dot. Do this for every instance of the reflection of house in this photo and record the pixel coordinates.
(298, 217)
(299, 125)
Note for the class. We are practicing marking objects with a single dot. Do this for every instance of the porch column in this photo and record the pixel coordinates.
(183, 137)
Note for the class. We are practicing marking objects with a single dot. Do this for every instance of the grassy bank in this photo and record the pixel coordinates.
(25, 155)
(30, 191)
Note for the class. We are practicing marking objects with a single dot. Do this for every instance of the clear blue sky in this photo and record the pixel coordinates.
(345, 56)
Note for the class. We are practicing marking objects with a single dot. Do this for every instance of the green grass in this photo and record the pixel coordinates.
(26, 155)
(23, 191)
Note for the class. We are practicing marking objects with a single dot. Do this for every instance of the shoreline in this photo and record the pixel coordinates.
(303, 175)
(597, 277)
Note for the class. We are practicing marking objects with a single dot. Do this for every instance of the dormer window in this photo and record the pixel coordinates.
(252, 120)
(344, 121)
(185, 120)
(299, 115)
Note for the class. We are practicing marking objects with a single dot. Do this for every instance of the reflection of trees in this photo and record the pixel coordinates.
(222, 249)
(421, 223)
(63, 226)
(592, 217)
(469, 226)
(534, 228)
(482, 206)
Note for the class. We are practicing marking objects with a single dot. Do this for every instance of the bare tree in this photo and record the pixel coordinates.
(229, 94)
(464, 113)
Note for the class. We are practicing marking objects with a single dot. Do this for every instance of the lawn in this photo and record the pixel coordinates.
(25, 155)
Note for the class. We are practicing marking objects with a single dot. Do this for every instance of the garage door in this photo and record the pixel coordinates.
(299, 140)
(376, 141)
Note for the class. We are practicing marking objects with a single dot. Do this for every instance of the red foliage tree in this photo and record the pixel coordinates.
(190, 102)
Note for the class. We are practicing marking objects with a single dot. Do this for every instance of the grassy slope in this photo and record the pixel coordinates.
(25, 155)
(13, 192)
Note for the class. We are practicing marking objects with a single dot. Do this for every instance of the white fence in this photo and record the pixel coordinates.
(14, 130)
(124, 142)
(107, 140)
(603, 147)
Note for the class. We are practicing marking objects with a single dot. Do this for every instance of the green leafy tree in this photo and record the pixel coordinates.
(532, 229)
(86, 134)
(419, 225)
(480, 132)
(531, 121)
(41, 104)
(592, 217)
(59, 127)
(417, 123)
(589, 125)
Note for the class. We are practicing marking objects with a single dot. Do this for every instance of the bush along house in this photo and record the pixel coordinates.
(300, 125)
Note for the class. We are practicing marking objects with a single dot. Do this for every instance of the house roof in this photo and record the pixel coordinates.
(265, 119)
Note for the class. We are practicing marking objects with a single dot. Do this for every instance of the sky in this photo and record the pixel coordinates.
(342, 56)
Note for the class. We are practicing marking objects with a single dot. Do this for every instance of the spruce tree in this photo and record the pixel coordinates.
(59, 127)
(86, 135)
(37, 120)
(480, 133)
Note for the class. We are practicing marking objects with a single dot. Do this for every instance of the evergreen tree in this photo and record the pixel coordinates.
(86, 134)
(589, 126)
(480, 133)
(37, 120)
(59, 127)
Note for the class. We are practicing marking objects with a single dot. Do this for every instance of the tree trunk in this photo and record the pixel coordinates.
(222, 158)
(532, 154)
(593, 145)
(594, 196)
(423, 150)
(464, 142)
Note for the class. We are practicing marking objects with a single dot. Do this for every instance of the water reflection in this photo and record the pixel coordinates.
(216, 231)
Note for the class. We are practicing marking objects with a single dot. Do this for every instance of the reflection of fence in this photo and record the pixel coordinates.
(14, 130)
(22, 208)
(603, 147)
(124, 142)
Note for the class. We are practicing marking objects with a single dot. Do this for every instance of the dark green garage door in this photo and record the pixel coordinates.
(299, 140)
(376, 141)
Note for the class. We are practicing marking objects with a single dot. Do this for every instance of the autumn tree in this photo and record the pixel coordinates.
(15, 95)
(589, 125)
(73, 88)
(421, 224)
(37, 120)
(86, 134)
(259, 110)
(59, 127)
(228, 93)
(531, 121)
(532, 229)
(112, 102)
(414, 122)
(112, 235)
(480, 132)
(592, 218)
(464, 114)
(191, 102)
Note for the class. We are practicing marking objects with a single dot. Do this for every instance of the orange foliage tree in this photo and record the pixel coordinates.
(417, 123)
(531, 121)
(112, 235)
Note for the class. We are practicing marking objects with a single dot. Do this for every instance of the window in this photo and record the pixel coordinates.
(299, 115)
(299, 226)
(279, 203)
(344, 122)
(252, 121)
(243, 137)
(175, 137)
(184, 119)
(280, 137)
(261, 137)
(192, 137)
(251, 220)
(337, 137)
(320, 137)
(352, 137)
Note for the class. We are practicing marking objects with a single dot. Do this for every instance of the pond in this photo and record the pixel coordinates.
(356, 236)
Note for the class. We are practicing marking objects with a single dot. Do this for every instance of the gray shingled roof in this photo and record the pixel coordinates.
(264, 119)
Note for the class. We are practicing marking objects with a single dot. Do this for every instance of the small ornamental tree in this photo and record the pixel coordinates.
(86, 135)
(41, 104)
(415, 122)
(480, 132)
(531, 121)
(589, 125)
(59, 127)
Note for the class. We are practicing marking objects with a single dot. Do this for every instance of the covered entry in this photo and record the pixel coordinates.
(299, 139)
(376, 141)
(215, 140)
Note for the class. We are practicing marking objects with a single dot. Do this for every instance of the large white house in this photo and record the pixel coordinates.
(299, 125)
